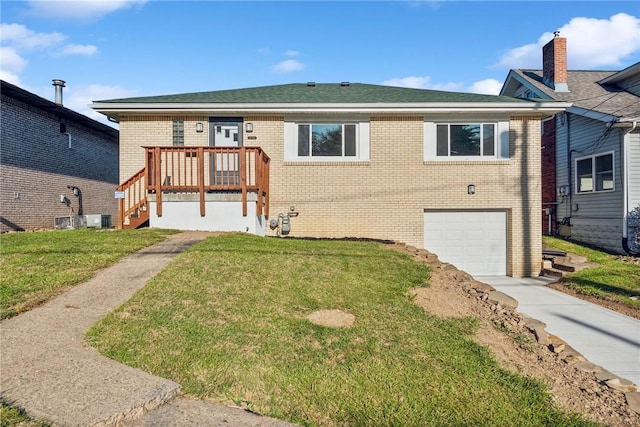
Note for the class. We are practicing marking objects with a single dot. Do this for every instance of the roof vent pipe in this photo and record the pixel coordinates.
(59, 84)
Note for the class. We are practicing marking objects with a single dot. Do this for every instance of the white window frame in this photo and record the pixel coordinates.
(594, 173)
(501, 141)
(291, 140)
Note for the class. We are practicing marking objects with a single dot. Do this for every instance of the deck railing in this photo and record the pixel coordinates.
(209, 169)
(198, 170)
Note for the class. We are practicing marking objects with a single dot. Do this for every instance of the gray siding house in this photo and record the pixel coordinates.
(591, 176)
(54, 163)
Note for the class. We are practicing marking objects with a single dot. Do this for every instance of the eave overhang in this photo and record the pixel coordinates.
(593, 114)
(115, 110)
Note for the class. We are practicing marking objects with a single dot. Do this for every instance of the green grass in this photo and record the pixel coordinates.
(11, 416)
(227, 320)
(38, 266)
(612, 279)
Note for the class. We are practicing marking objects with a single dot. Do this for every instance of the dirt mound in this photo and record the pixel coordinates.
(521, 344)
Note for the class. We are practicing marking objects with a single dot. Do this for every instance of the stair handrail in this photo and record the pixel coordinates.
(135, 196)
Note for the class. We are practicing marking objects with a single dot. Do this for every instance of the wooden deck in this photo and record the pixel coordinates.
(194, 170)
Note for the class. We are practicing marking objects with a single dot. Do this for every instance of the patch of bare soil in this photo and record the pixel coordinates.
(332, 318)
(521, 345)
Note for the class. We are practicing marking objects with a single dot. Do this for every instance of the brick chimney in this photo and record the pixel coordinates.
(554, 63)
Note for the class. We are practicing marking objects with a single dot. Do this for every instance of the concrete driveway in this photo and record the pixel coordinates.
(604, 337)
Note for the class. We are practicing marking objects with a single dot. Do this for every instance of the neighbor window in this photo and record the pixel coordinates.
(594, 173)
(466, 140)
(178, 132)
(327, 140)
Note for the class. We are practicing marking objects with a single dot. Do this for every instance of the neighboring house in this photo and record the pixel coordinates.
(591, 152)
(456, 173)
(54, 163)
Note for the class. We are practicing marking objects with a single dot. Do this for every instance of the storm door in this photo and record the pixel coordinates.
(225, 134)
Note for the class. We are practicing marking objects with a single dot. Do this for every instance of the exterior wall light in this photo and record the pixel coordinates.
(199, 127)
(248, 127)
(471, 189)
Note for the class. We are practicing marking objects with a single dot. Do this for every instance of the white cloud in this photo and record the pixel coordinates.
(22, 38)
(17, 41)
(591, 44)
(79, 49)
(423, 82)
(78, 98)
(85, 10)
(487, 87)
(288, 66)
(10, 77)
(11, 60)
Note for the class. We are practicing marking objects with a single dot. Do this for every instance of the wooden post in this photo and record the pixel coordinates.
(243, 178)
(120, 213)
(200, 163)
(157, 165)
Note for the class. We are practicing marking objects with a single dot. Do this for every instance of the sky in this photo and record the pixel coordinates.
(126, 48)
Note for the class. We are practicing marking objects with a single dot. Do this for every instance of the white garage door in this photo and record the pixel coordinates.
(473, 241)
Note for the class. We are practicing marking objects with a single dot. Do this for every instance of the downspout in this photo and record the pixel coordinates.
(569, 178)
(625, 189)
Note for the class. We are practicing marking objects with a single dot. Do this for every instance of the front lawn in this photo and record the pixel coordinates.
(613, 279)
(228, 320)
(38, 266)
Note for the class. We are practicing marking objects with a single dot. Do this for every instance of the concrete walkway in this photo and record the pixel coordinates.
(606, 338)
(47, 369)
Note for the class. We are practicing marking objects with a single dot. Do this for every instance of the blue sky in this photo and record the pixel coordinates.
(121, 48)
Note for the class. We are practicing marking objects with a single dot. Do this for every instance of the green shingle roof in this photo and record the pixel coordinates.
(341, 93)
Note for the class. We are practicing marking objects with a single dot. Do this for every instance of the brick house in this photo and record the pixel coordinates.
(456, 173)
(54, 163)
(590, 152)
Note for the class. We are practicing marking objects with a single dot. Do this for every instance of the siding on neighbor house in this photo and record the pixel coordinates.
(386, 196)
(37, 166)
(631, 84)
(598, 217)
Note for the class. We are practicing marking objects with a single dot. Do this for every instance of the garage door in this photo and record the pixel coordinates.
(473, 241)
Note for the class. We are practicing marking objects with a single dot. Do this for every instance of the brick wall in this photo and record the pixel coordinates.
(37, 166)
(385, 197)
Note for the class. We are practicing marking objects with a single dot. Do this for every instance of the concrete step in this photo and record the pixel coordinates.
(554, 272)
(570, 268)
(571, 258)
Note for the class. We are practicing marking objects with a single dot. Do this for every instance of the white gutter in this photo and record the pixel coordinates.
(625, 176)
(417, 108)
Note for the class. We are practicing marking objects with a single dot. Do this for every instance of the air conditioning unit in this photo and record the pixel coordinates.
(98, 221)
(69, 222)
